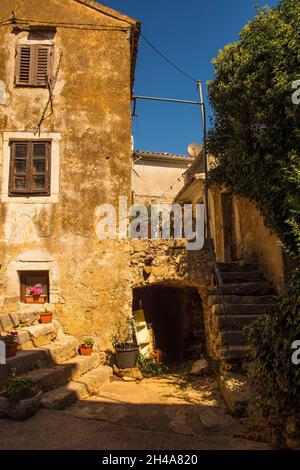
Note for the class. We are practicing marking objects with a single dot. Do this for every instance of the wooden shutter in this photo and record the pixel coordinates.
(19, 168)
(24, 65)
(33, 65)
(42, 62)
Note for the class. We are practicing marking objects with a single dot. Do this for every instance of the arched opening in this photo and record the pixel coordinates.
(176, 317)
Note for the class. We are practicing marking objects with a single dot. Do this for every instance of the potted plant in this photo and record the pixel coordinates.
(35, 295)
(11, 341)
(46, 316)
(20, 399)
(86, 347)
(126, 350)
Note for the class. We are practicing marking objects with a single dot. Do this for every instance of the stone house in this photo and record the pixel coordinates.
(66, 75)
(158, 177)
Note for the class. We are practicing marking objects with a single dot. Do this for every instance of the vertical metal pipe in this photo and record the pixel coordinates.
(203, 115)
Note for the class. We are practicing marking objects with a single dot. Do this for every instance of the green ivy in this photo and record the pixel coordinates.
(150, 368)
(277, 379)
(255, 138)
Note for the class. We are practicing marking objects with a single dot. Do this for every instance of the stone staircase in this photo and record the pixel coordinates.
(51, 359)
(247, 295)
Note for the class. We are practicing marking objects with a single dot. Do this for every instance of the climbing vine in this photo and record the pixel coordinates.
(255, 138)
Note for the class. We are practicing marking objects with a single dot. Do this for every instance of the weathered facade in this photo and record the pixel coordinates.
(88, 125)
(157, 177)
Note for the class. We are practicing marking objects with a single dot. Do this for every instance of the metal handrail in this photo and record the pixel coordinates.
(219, 288)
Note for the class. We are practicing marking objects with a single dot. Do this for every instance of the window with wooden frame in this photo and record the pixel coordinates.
(33, 67)
(30, 168)
(32, 278)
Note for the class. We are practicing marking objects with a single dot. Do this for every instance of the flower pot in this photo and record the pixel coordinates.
(33, 299)
(85, 350)
(46, 317)
(10, 349)
(126, 355)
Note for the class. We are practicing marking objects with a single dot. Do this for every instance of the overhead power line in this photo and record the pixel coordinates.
(168, 60)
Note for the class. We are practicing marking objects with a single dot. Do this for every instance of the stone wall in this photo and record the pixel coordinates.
(256, 243)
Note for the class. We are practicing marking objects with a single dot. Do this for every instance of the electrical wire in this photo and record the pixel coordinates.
(88, 26)
(168, 60)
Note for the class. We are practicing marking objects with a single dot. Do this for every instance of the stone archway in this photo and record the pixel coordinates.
(168, 263)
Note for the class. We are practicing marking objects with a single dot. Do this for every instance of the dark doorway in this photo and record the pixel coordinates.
(176, 317)
(229, 228)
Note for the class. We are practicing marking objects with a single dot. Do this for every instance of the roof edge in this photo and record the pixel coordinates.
(108, 11)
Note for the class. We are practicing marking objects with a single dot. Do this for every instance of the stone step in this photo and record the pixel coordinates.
(244, 299)
(233, 277)
(9, 321)
(234, 338)
(80, 365)
(50, 378)
(234, 352)
(249, 288)
(236, 266)
(236, 322)
(62, 349)
(89, 384)
(37, 335)
(243, 309)
(23, 362)
(62, 397)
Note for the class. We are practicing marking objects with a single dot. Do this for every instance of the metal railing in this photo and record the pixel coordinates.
(219, 288)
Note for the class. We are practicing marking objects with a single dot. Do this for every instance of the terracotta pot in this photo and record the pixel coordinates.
(33, 299)
(46, 317)
(10, 349)
(157, 356)
(85, 350)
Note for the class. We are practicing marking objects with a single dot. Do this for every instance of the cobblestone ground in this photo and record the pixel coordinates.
(169, 412)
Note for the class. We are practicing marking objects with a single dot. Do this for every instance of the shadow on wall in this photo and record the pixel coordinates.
(176, 317)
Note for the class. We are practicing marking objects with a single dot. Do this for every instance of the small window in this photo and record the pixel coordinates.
(30, 279)
(30, 168)
(33, 66)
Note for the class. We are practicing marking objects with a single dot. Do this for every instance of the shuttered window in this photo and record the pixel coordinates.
(33, 65)
(30, 168)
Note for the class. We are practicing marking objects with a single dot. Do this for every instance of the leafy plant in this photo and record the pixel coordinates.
(255, 134)
(149, 367)
(276, 378)
(124, 334)
(10, 338)
(19, 388)
(88, 342)
(255, 140)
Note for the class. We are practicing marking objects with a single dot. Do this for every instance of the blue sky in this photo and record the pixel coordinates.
(189, 33)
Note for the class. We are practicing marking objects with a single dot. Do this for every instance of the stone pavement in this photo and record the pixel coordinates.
(169, 412)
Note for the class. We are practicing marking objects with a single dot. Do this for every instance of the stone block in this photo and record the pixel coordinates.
(95, 379)
(6, 323)
(128, 374)
(82, 364)
(200, 367)
(236, 392)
